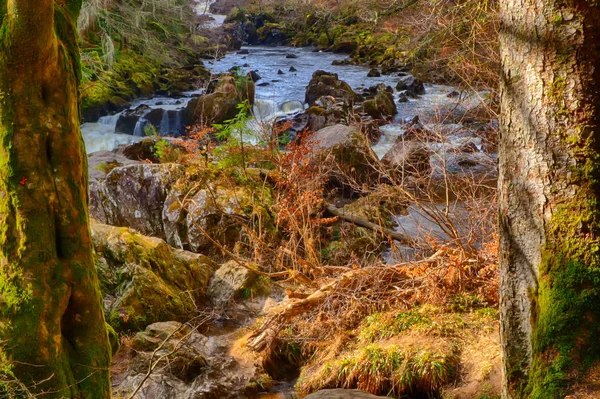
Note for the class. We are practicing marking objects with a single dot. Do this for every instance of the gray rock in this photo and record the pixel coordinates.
(342, 394)
(228, 282)
(133, 196)
(412, 84)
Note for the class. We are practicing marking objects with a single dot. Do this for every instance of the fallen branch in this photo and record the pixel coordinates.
(362, 222)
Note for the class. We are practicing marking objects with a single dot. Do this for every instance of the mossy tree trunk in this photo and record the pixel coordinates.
(52, 326)
(550, 197)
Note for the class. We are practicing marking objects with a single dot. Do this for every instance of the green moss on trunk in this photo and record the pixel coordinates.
(52, 326)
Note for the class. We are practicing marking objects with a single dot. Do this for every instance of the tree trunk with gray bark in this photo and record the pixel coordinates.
(550, 197)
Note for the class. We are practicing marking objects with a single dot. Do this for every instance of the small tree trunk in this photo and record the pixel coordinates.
(549, 195)
(52, 324)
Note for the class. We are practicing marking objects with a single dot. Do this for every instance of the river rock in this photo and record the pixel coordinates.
(382, 106)
(328, 84)
(129, 118)
(412, 84)
(133, 196)
(409, 157)
(374, 73)
(292, 56)
(222, 103)
(254, 75)
(347, 154)
(342, 394)
(144, 280)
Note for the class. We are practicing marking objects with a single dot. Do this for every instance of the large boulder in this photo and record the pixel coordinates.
(133, 196)
(144, 280)
(342, 394)
(329, 84)
(348, 156)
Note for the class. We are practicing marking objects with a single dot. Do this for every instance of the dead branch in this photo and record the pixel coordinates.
(361, 222)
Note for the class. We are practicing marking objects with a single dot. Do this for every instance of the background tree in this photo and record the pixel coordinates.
(52, 325)
(549, 196)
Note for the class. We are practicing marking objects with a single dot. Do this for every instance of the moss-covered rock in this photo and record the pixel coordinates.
(329, 84)
(381, 106)
(144, 280)
(222, 104)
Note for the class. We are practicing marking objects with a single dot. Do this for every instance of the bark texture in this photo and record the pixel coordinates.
(52, 326)
(549, 195)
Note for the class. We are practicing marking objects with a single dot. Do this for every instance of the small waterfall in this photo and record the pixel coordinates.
(164, 127)
(109, 119)
(264, 109)
(139, 128)
(292, 106)
(178, 122)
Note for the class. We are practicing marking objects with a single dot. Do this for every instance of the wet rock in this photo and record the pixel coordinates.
(412, 84)
(381, 106)
(291, 56)
(133, 196)
(292, 69)
(374, 73)
(243, 52)
(126, 124)
(328, 84)
(327, 112)
(264, 84)
(143, 280)
(402, 98)
(254, 76)
(342, 394)
(280, 72)
(408, 157)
